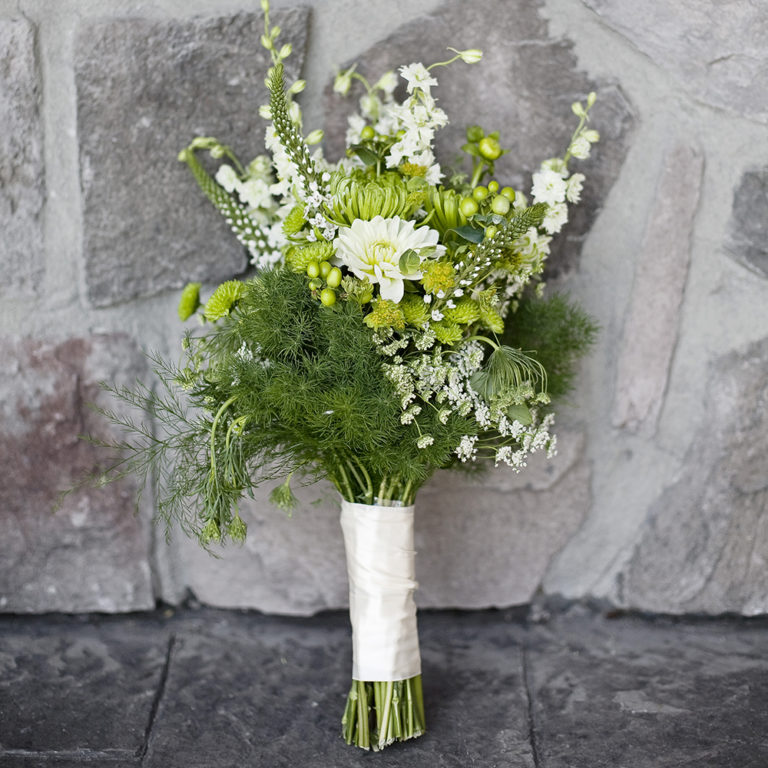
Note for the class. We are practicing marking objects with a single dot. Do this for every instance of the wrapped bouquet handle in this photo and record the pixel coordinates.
(381, 570)
(385, 702)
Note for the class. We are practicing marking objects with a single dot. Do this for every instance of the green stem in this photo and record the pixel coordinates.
(215, 423)
(479, 170)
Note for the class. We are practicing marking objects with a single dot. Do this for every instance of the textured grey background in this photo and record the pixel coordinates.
(657, 499)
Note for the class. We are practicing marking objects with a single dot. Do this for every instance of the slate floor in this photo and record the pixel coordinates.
(221, 689)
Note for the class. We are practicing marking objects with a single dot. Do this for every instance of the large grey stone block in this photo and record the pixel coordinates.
(22, 176)
(93, 553)
(716, 51)
(480, 543)
(145, 88)
(627, 692)
(651, 328)
(523, 87)
(703, 547)
(749, 222)
(74, 692)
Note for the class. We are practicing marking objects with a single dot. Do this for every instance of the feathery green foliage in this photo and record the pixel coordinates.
(558, 331)
(281, 384)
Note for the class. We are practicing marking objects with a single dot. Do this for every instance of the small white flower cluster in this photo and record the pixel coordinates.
(444, 382)
(418, 117)
(553, 185)
(374, 106)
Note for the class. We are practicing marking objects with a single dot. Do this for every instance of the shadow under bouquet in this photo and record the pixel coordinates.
(395, 326)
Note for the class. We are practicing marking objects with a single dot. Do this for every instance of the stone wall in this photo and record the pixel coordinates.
(657, 499)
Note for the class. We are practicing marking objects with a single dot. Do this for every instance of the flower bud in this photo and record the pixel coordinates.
(471, 56)
(343, 81)
(314, 137)
(285, 51)
(298, 86)
(474, 133)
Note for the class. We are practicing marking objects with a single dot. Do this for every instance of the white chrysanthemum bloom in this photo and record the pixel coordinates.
(417, 76)
(373, 249)
(548, 187)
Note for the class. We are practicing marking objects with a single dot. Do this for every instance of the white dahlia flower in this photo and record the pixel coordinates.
(373, 249)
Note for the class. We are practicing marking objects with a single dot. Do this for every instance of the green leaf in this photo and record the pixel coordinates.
(409, 262)
(471, 149)
(520, 413)
(470, 234)
(368, 156)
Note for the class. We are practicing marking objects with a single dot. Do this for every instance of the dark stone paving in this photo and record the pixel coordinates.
(219, 689)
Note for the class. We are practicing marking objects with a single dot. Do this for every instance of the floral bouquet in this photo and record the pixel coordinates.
(395, 326)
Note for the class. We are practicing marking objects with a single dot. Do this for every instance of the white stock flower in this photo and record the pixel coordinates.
(227, 178)
(373, 249)
(573, 193)
(255, 193)
(548, 187)
(387, 82)
(417, 76)
(556, 216)
(580, 148)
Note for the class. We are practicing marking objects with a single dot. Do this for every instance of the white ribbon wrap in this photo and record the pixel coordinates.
(381, 570)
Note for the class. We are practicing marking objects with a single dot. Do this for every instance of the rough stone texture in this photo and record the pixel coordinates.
(214, 688)
(488, 542)
(288, 565)
(716, 51)
(749, 222)
(78, 688)
(280, 687)
(22, 176)
(480, 543)
(145, 89)
(523, 87)
(92, 554)
(703, 548)
(626, 692)
(651, 328)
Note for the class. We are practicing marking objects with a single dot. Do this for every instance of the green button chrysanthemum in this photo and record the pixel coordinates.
(189, 301)
(223, 299)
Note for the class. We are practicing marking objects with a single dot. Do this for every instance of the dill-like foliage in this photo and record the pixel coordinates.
(283, 384)
(558, 333)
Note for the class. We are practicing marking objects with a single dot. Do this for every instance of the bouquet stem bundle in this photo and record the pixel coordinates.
(378, 714)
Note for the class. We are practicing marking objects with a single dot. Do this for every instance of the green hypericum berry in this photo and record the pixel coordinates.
(509, 193)
(489, 148)
(480, 193)
(493, 187)
(190, 301)
(367, 133)
(313, 269)
(315, 284)
(500, 205)
(475, 133)
(491, 231)
(328, 297)
(334, 278)
(325, 269)
(468, 206)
